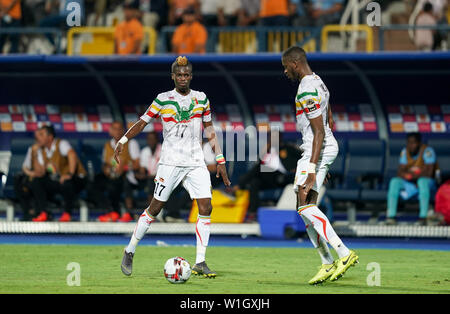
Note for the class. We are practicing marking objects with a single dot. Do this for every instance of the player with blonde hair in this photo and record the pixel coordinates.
(183, 112)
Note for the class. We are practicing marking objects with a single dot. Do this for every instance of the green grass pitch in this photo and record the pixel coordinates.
(42, 269)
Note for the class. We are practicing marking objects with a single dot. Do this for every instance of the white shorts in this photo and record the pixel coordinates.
(196, 180)
(326, 158)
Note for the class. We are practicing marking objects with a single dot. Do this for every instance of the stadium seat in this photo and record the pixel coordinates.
(366, 167)
(91, 152)
(15, 167)
(339, 191)
(20, 145)
(338, 167)
(394, 149)
(365, 162)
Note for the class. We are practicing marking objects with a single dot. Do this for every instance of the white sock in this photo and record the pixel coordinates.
(319, 243)
(139, 231)
(323, 227)
(202, 231)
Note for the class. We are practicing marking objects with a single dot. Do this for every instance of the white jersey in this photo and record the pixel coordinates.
(182, 118)
(312, 101)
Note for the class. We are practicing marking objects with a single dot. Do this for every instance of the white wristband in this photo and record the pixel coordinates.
(123, 140)
(311, 167)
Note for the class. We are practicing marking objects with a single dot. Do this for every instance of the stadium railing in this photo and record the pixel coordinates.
(269, 39)
(348, 28)
(102, 40)
(250, 39)
(224, 39)
(406, 27)
(56, 32)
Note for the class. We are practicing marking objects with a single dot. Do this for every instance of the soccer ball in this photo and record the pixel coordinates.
(177, 270)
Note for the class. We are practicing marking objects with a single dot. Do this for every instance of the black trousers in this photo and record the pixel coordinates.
(45, 188)
(108, 192)
(22, 190)
(255, 181)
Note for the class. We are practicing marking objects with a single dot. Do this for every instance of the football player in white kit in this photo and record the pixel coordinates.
(183, 113)
(320, 148)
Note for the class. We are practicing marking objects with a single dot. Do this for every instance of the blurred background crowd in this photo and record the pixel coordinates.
(191, 20)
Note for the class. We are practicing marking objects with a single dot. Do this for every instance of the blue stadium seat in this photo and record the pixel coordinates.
(91, 152)
(15, 166)
(363, 172)
(365, 157)
(338, 167)
(394, 149)
(340, 191)
(75, 143)
(20, 145)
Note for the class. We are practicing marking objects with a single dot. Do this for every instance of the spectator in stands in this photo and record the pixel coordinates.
(249, 13)
(10, 16)
(274, 13)
(299, 13)
(22, 181)
(439, 12)
(33, 12)
(95, 10)
(130, 33)
(153, 12)
(178, 7)
(275, 170)
(423, 38)
(114, 177)
(326, 11)
(439, 9)
(228, 12)
(56, 15)
(148, 160)
(208, 11)
(59, 171)
(191, 36)
(415, 176)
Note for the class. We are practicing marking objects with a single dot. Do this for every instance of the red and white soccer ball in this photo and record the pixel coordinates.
(177, 270)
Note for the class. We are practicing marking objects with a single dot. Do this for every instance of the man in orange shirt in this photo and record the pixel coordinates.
(191, 36)
(10, 16)
(177, 8)
(274, 13)
(130, 33)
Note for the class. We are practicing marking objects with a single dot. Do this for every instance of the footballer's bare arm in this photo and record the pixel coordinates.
(212, 139)
(330, 117)
(131, 133)
(319, 135)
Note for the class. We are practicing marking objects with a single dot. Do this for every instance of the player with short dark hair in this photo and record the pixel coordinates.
(319, 151)
(183, 112)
